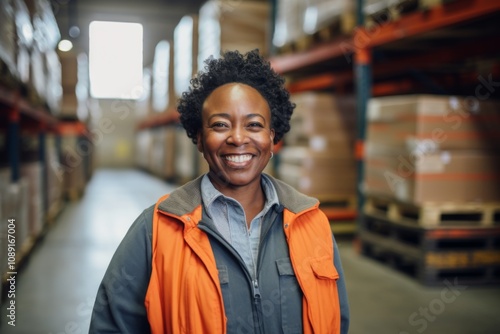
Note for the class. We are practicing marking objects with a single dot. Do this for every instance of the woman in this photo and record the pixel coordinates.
(234, 251)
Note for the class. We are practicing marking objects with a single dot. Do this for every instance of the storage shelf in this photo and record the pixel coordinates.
(13, 103)
(420, 22)
(324, 52)
(71, 128)
(401, 38)
(440, 50)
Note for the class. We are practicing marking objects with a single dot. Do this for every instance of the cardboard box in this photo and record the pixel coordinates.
(163, 152)
(446, 176)
(33, 172)
(427, 123)
(317, 173)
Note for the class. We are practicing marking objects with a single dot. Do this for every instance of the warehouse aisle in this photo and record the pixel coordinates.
(56, 290)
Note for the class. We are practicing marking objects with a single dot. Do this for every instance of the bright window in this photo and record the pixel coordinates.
(115, 60)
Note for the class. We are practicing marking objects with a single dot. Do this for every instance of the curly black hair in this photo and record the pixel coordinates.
(250, 69)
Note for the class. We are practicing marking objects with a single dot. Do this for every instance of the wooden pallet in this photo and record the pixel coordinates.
(432, 215)
(333, 201)
(428, 4)
(344, 25)
(392, 12)
(75, 194)
(54, 210)
(431, 256)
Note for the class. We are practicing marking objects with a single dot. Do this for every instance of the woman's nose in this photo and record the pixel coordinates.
(237, 136)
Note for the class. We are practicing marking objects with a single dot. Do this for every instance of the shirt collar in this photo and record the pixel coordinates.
(209, 194)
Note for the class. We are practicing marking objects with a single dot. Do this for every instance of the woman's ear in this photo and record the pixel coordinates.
(199, 143)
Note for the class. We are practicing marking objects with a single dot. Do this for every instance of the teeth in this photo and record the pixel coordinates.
(238, 158)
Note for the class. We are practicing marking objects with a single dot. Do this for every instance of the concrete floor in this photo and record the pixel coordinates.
(56, 289)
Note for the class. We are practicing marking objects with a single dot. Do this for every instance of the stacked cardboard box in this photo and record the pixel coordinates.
(75, 86)
(185, 53)
(186, 156)
(55, 178)
(427, 148)
(163, 151)
(75, 155)
(143, 148)
(46, 35)
(318, 156)
(14, 204)
(162, 94)
(232, 25)
(431, 183)
(297, 19)
(33, 173)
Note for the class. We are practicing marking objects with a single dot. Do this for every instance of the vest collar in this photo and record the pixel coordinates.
(187, 198)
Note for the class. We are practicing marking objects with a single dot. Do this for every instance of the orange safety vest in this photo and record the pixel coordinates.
(184, 295)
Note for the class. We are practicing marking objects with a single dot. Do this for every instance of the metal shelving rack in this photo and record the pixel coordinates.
(399, 57)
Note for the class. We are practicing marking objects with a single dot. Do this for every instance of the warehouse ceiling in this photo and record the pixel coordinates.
(158, 17)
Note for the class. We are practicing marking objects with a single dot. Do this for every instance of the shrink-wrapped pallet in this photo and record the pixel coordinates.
(75, 86)
(288, 26)
(24, 29)
(53, 91)
(55, 178)
(320, 14)
(8, 47)
(185, 53)
(162, 94)
(232, 25)
(46, 32)
(318, 157)
(33, 173)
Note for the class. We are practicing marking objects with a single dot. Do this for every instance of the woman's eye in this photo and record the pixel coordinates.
(255, 125)
(218, 125)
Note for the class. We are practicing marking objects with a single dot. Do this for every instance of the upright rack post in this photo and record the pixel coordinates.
(363, 93)
(13, 143)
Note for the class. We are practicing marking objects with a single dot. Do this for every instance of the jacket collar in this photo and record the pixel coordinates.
(187, 198)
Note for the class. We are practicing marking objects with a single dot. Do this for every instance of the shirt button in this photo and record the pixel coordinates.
(286, 225)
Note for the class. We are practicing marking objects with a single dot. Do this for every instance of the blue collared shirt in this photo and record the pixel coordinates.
(229, 218)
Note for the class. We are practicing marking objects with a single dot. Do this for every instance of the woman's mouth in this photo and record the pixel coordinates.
(238, 158)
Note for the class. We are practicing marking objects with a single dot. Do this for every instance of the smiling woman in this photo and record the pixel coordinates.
(236, 138)
(235, 250)
(115, 60)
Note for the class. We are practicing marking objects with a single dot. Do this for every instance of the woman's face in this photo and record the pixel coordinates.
(236, 137)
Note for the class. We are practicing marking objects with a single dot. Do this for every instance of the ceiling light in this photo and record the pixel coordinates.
(65, 45)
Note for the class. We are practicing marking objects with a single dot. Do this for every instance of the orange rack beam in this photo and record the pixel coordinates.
(324, 52)
(419, 22)
(171, 116)
(71, 128)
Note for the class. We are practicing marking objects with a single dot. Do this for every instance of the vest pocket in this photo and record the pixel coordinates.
(290, 298)
(324, 269)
